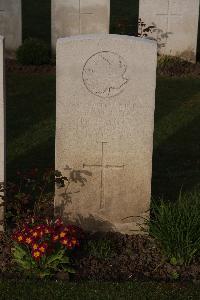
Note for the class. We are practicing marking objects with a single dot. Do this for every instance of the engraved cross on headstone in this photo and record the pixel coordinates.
(103, 166)
(80, 14)
(169, 14)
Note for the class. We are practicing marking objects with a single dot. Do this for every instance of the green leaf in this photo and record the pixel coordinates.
(54, 257)
(69, 270)
(65, 260)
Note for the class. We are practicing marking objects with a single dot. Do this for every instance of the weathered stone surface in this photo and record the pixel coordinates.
(104, 131)
(176, 25)
(2, 128)
(74, 17)
(11, 24)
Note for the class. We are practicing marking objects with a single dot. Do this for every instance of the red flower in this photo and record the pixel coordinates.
(55, 238)
(36, 254)
(28, 240)
(64, 241)
(62, 234)
(19, 237)
(42, 247)
(67, 243)
(35, 234)
(35, 246)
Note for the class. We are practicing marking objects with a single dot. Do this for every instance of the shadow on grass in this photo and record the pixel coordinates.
(31, 130)
(176, 137)
(41, 157)
(176, 162)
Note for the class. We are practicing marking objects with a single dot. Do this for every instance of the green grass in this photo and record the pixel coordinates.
(176, 227)
(25, 290)
(31, 130)
(176, 139)
(30, 122)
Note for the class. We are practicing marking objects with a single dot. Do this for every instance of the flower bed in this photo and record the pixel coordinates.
(121, 258)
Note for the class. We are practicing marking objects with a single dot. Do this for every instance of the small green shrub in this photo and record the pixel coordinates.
(176, 227)
(33, 52)
(102, 248)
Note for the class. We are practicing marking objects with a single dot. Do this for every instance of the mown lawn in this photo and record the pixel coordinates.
(176, 163)
(25, 290)
(30, 143)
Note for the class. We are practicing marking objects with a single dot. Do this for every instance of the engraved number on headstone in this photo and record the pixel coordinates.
(103, 166)
(104, 74)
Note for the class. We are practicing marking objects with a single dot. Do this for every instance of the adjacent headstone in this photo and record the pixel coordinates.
(74, 17)
(104, 131)
(11, 24)
(2, 131)
(176, 25)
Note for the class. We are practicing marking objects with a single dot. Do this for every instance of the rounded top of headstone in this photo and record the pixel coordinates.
(104, 36)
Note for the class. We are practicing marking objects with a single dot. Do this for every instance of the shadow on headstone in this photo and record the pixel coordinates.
(153, 32)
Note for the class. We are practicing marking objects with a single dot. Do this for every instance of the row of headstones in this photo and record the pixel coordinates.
(104, 129)
(175, 22)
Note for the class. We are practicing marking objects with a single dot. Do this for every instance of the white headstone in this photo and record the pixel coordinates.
(2, 129)
(74, 17)
(11, 24)
(104, 129)
(176, 25)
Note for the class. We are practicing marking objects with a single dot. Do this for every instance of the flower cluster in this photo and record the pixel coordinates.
(43, 238)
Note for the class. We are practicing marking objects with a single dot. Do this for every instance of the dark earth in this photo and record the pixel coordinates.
(119, 258)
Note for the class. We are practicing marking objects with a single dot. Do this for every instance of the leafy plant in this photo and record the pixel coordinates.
(31, 194)
(175, 275)
(44, 248)
(144, 29)
(176, 227)
(33, 52)
(101, 248)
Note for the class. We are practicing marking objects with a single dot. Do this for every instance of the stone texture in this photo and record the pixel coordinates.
(2, 127)
(104, 129)
(74, 17)
(176, 25)
(11, 24)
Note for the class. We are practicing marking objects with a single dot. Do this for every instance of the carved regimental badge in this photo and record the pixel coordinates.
(104, 74)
